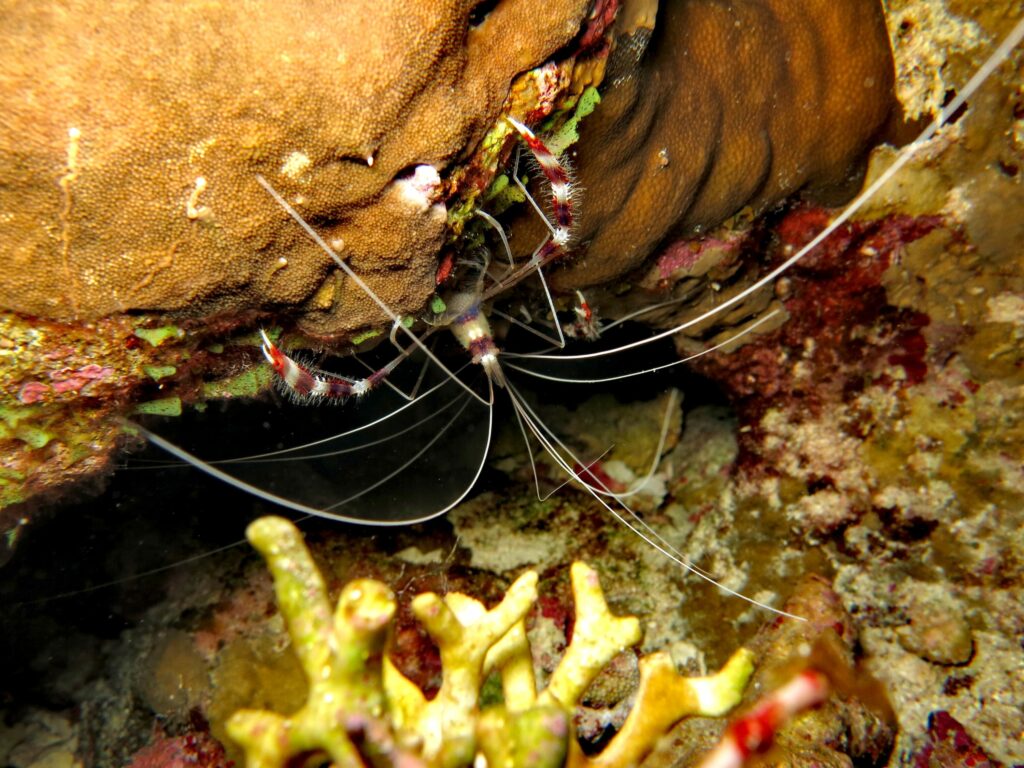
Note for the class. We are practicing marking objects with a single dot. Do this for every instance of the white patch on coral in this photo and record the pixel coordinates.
(420, 189)
(934, 501)
(815, 449)
(417, 557)
(924, 34)
(295, 165)
(822, 511)
(198, 150)
(193, 209)
(498, 549)
(653, 487)
(686, 655)
(1006, 308)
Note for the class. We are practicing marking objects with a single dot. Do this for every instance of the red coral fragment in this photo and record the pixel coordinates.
(842, 330)
(595, 476)
(192, 750)
(950, 746)
(598, 23)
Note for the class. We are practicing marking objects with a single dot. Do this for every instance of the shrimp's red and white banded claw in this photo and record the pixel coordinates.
(585, 326)
(754, 732)
(562, 188)
(305, 383)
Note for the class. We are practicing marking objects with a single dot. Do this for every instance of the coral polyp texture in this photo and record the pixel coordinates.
(337, 107)
(361, 709)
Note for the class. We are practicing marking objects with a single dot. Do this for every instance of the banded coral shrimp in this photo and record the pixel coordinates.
(780, 270)
(965, 92)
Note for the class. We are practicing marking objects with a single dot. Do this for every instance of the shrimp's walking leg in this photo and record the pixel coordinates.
(553, 247)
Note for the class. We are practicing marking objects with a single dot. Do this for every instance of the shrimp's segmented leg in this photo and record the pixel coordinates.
(307, 384)
(586, 325)
(553, 247)
(560, 181)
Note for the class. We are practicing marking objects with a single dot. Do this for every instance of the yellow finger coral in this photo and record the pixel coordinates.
(362, 710)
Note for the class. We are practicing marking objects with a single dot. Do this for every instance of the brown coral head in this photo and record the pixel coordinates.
(129, 153)
(732, 105)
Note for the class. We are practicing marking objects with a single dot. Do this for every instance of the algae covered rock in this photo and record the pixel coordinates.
(133, 133)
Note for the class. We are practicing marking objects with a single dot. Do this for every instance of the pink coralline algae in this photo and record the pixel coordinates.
(684, 254)
(841, 325)
(192, 750)
(75, 380)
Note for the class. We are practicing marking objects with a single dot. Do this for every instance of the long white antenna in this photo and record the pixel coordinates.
(315, 237)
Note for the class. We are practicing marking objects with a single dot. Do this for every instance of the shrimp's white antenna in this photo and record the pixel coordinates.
(603, 380)
(627, 516)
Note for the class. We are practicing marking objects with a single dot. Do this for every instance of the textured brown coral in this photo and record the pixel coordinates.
(132, 133)
(734, 104)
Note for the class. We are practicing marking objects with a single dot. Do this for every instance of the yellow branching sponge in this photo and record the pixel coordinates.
(362, 711)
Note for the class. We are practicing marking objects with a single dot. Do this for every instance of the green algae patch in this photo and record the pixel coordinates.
(359, 338)
(503, 194)
(568, 134)
(246, 384)
(168, 406)
(15, 424)
(157, 372)
(157, 336)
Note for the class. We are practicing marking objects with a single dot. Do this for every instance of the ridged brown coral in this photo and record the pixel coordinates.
(731, 105)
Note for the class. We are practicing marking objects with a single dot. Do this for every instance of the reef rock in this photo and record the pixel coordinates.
(133, 134)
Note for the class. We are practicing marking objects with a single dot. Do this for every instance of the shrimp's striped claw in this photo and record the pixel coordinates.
(304, 383)
(558, 178)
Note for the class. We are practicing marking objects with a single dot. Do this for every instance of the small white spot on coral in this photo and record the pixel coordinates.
(192, 208)
(1006, 308)
(280, 264)
(199, 149)
(419, 189)
(295, 165)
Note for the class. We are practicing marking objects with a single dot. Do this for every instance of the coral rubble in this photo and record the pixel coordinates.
(360, 706)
